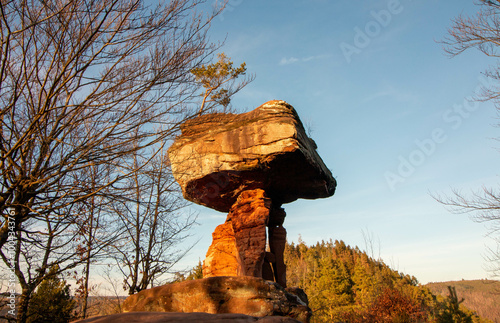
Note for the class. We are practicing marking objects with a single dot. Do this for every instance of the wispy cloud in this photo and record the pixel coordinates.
(286, 61)
(310, 58)
(292, 60)
(392, 92)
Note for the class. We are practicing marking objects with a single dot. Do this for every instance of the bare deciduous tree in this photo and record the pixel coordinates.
(481, 32)
(484, 206)
(86, 84)
(82, 82)
(50, 242)
(152, 224)
(92, 223)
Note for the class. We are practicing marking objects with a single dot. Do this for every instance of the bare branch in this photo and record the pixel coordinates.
(90, 92)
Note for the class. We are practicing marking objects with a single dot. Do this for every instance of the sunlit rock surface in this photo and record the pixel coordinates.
(244, 295)
(218, 156)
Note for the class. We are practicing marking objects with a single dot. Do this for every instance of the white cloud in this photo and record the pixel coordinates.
(392, 92)
(310, 58)
(291, 60)
(286, 61)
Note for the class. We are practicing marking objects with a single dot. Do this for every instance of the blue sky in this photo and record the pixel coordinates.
(389, 113)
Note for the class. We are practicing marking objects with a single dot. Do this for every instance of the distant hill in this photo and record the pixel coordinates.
(481, 296)
(344, 284)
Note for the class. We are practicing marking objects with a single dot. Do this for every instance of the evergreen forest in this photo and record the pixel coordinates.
(344, 284)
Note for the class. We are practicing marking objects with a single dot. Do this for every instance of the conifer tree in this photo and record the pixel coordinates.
(219, 81)
(196, 272)
(52, 301)
(452, 311)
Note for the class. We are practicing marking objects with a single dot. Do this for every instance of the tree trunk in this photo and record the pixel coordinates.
(87, 261)
(86, 288)
(22, 308)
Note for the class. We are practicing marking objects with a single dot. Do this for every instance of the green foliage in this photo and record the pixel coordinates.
(195, 273)
(481, 295)
(345, 285)
(451, 311)
(218, 79)
(52, 301)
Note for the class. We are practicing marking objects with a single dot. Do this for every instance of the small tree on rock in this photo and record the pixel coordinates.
(219, 81)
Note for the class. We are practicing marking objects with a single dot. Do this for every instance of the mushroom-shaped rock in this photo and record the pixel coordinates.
(218, 156)
(249, 164)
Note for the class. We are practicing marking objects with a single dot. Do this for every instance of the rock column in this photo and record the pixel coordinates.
(249, 217)
(239, 245)
(222, 257)
(277, 242)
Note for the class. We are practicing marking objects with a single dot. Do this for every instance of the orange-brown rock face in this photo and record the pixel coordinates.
(239, 245)
(218, 156)
(249, 217)
(222, 257)
(245, 295)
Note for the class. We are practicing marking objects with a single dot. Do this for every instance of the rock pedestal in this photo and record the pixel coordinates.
(239, 245)
(248, 165)
(215, 295)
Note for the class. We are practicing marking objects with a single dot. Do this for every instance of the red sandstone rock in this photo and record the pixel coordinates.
(244, 295)
(277, 242)
(249, 217)
(218, 156)
(267, 267)
(239, 245)
(222, 257)
(248, 165)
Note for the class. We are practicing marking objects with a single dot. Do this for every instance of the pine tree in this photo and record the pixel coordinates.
(196, 272)
(452, 311)
(219, 81)
(52, 301)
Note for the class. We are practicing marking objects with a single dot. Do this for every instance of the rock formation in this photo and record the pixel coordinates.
(249, 165)
(244, 295)
(245, 230)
